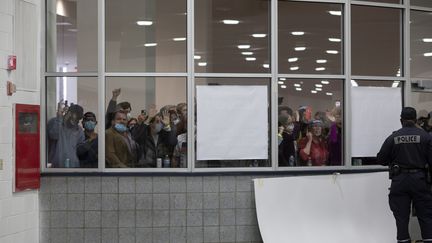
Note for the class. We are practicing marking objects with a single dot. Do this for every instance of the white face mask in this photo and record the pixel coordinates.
(176, 121)
(158, 127)
(128, 116)
(290, 127)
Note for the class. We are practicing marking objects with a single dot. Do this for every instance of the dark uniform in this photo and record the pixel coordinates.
(408, 151)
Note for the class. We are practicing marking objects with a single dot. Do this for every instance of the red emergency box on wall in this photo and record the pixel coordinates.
(27, 147)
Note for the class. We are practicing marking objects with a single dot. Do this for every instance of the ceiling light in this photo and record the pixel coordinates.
(179, 39)
(321, 61)
(318, 85)
(297, 33)
(427, 39)
(259, 35)
(298, 89)
(196, 57)
(314, 91)
(247, 53)
(280, 82)
(325, 82)
(293, 59)
(294, 68)
(428, 54)
(318, 89)
(354, 83)
(283, 86)
(332, 52)
(202, 64)
(73, 30)
(282, 79)
(329, 93)
(335, 13)
(334, 39)
(266, 65)
(297, 85)
(230, 21)
(144, 23)
(250, 59)
(300, 48)
(395, 84)
(63, 23)
(320, 69)
(150, 44)
(243, 46)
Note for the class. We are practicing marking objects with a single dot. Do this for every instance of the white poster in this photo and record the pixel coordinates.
(330, 209)
(232, 122)
(375, 115)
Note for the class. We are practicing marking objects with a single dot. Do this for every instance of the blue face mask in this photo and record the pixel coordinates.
(89, 125)
(120, 128)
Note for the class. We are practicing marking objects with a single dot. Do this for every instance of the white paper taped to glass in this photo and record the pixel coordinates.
(232, 122)
(346, 208)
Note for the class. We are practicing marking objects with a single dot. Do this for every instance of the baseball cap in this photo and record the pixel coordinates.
(408, 113)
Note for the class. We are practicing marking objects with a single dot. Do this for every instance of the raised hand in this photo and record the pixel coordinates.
(115, 94)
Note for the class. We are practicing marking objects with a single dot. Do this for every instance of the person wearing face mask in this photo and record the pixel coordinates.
(113, 107)
(88, 150)
(313, 148)
(157, 139)
(121, 150)
(287, 141)
(132, 123)
(335, 139)
(64, 135)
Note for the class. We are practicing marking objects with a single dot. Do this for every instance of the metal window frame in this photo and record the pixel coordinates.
(190, 75)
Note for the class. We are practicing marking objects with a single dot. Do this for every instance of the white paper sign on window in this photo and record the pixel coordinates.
(232, 122)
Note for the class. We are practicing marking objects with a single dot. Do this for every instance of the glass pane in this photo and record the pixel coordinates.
(72, 112)
(310, 112)
(421, 99)
(236, 109)
(310, 38)
(421, 44)
(384, 1)
(146, 36)
(376, 41)
(232, 36)
(146, 122)
(422, 3)
(376, 117)
(71, 36)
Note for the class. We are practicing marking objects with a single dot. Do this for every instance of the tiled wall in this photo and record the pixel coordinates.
(148, 209)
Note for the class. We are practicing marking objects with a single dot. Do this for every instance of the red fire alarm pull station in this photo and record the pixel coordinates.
(11, 62)
(27, 147)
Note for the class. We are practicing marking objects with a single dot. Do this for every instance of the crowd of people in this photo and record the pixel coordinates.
(154, 138)
(309, 141)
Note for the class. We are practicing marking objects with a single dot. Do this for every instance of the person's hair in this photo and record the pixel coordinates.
(124, 105)
(76, 109)
(285, 108)
(89, 114)
(132, 119)
(180, 107)
(153, 119)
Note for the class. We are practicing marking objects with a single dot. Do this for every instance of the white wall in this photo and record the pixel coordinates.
(19, 213)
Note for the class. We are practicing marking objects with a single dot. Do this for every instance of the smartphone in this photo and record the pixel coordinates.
(143, 112)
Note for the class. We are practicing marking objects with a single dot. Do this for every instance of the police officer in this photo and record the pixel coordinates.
(408, 152)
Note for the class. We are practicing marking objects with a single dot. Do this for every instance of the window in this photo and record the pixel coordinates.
(384, 1)
(146, 122)
(376, 41)
(71, 131)
(71, 36)
(310, 38)
(310, 122)
(232, 36)
(421, 3)
(421, 44)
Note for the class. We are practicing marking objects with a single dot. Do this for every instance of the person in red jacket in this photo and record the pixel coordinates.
(313, 149)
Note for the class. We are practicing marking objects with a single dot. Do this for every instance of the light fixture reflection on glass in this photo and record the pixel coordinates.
(297, 33)
(282, 79)
(320, 69)
(293, 59)
(300, 48)
(280, 82)
(299, 89)
(321, 61)
(196, 57)
(334, 39)
(63, 24)
(325, 82)
(259, 35)
(294, 68)
(329, 93)
(202, 64)
(150, 44)
(332, 52)
(427, 40)
(73, 30)
(318, 89)
(266, 65)
(250, 59)
(335, 13)
(283, 86)
(314, 91)
(243, 46)
(318, 85)
(230, 21)
(428, 54)
(395, 84)
(179, 39)
(354, 83)
(297, 85)
(247, 53)
(144, 23)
